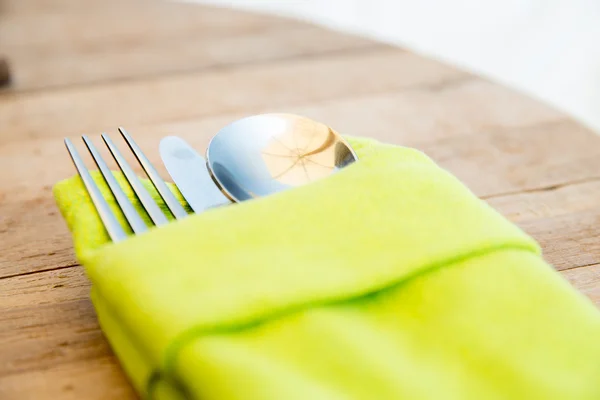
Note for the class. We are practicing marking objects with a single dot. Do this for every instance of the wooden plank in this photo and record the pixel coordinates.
(73, 111)
(49, 335)
(43, 289)
(425, 114)
(564, 220)
(570, 238)
(94, 24)
(40, 65)
(586, 280)
(51, 342)
(47, 319)
(410, 117)
(557, 201)
(34, 238)
(499, 161)
(92, 379)
(12, 7)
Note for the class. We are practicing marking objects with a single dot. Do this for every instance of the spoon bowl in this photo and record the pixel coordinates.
(268, 153)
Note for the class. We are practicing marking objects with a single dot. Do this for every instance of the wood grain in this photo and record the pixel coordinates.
(535, 157)
(164, 68)
(564, 220)
(113, 41)
(587, 280)
(72, 111)
(100, 378)
(41, 66)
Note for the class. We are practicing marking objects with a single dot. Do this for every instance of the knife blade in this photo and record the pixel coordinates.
(189, 172)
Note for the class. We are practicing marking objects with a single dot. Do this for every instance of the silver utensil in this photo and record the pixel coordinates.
(190, 174)
(252, 157)
(133, 218)
(264, 154)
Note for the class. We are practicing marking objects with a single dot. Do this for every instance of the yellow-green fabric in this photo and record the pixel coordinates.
(387, 280)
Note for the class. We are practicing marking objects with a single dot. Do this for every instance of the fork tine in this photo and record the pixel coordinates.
(155, 213)
(131, 215)
(111, 224)
(160, 185)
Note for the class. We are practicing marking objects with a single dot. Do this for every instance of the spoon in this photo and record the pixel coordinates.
(268, 153)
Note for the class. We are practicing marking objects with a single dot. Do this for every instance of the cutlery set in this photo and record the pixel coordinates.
(250, 158)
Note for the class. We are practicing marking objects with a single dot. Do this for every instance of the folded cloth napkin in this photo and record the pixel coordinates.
(387, 280)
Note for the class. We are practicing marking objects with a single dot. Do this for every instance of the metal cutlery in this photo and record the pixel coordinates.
(264, 154)
(190, 174)
(252, 157)
(133, 218)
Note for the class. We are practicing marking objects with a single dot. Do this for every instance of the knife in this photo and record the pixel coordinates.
(189, 172)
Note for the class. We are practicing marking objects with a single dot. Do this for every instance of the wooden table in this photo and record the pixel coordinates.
(157, 69)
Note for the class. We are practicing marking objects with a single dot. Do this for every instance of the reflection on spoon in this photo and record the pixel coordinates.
(268, 153)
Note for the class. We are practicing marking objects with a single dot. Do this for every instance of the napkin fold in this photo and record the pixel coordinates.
(387, 280)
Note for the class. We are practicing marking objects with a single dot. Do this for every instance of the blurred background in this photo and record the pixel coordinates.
(548, 49)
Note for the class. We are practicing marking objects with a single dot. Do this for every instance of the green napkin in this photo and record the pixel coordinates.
(387, 280)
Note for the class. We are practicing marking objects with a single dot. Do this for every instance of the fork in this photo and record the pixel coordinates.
(132, 216)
